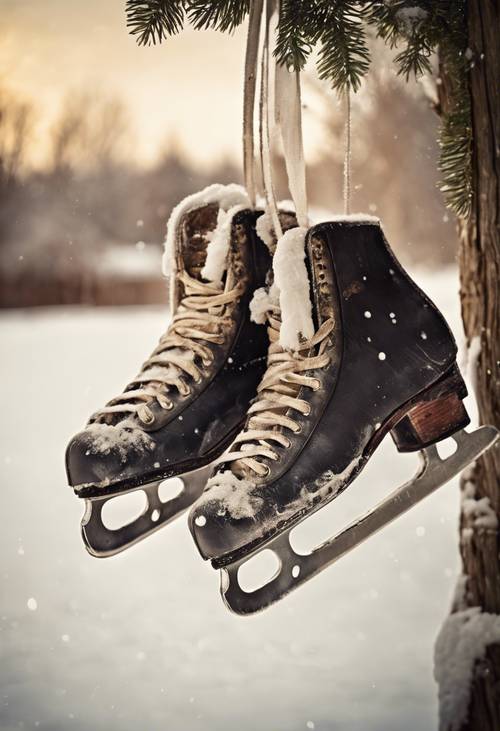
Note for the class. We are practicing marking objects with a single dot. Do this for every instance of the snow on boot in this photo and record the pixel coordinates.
(190, 398)
(357, 350)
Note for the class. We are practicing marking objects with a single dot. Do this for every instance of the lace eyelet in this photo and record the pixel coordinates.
(289, 443)
(267, 472)
(308, 412)
(165, 404)
(317, 384)
(146, 418)
(298, 430)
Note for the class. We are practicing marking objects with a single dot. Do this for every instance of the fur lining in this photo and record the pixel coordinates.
(353, 218)
(226, 196)
(218, 247)
(262, 302)
(292, 280)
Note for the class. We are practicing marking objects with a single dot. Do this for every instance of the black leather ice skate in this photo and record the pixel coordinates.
(377, 357)
(190, 398)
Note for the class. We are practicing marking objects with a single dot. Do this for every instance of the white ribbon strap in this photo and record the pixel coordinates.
(284, 99)
(289, 121)
(347, 156)
(265, 140)
(251, 59)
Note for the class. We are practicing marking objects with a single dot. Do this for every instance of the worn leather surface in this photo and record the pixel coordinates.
(389, 344)
(200, 425)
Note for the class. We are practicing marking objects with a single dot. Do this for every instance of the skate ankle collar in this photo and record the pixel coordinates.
(352, 218)
(292, 281)
(229, 198)
(218, 246)
(264, 301)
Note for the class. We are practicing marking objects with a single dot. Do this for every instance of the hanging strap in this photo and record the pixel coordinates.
(264, 131)
(289, 122)
(250, 82)
(287, 108)
(287, 117)
(347, 155)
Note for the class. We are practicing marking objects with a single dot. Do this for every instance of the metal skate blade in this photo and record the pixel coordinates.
(101, 541)
(295, 568)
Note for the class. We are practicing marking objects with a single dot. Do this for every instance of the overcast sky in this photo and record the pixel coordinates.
(190, 87)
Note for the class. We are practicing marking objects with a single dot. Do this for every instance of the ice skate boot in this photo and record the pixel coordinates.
(357, 350)
(191, 396)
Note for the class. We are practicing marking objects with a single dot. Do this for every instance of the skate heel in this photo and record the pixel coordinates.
(438, 414)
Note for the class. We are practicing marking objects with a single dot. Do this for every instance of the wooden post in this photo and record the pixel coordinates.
(479, 260)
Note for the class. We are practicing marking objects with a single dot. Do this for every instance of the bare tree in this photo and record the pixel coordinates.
(89, 133)
(16, 120)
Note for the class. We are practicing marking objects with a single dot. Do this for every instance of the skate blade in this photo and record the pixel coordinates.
(295, 569)
(101, 541)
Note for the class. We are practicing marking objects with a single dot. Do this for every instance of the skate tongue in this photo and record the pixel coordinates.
(193, 236)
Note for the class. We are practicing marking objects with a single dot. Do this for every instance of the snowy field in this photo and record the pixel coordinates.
(142, 641)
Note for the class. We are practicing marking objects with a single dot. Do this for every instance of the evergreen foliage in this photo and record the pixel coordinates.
(338, 30)
(223, 15)
(419, 29)
(153, 20)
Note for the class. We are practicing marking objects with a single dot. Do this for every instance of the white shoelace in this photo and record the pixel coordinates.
(200, 316)
(277, 394)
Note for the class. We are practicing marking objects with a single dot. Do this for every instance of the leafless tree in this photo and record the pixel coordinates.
(16, 121)
(89, 133)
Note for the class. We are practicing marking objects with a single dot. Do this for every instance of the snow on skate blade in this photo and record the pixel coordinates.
(259, 569)
(105, 530)
(368, 488)
(297, 568)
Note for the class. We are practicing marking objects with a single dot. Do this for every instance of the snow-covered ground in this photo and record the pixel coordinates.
(142, 640)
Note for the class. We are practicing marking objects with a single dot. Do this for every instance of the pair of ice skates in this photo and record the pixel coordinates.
(278, 422)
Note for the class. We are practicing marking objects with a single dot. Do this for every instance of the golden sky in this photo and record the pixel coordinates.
(188, 88)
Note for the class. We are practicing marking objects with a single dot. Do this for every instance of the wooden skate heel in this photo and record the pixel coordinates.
(438, 414)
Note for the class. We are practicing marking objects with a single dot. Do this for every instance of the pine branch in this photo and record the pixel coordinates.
(420, 29)
(411, 26)
(296, 33)
(223, 15)
(414, 60)
(455, 138)
(455, 163)
(417, 28)
(154, 20)
(344, 57)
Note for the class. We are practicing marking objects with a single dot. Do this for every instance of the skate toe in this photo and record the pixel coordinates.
(102, 454)
(226, 518)
(85, 465)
